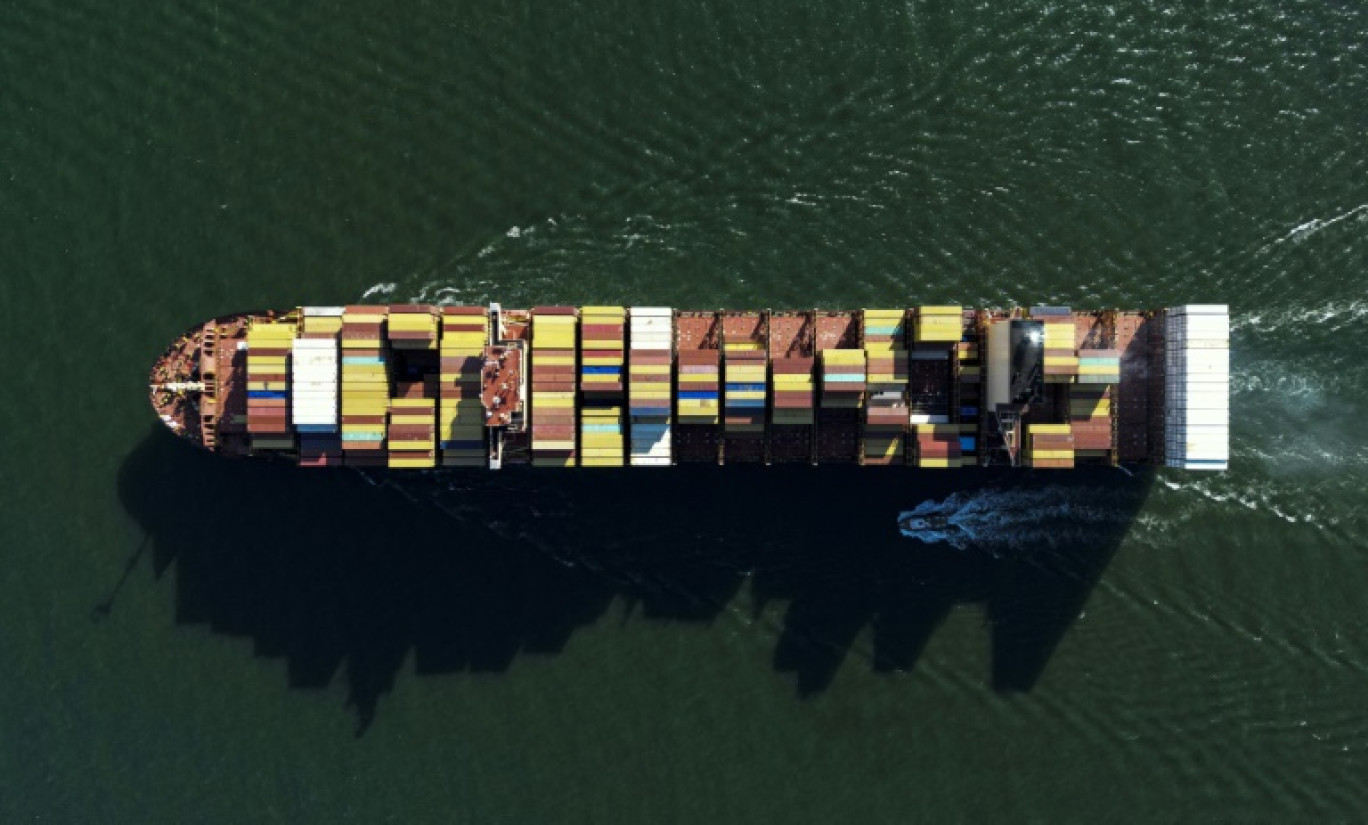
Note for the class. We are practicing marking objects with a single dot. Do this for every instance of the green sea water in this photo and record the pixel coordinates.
(188, 639)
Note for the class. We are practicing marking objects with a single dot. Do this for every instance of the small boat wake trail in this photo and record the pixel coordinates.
(997, 520)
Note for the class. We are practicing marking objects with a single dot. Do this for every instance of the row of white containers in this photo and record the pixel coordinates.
(1197, 387)
(651, 328)
(313, 384)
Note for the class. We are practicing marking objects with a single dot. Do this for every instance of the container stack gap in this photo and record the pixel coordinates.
(885, 346)
(365, 386)
(650, 360)
(1061, 343)
(460, 414)
(744, 370)
(930, 384)
(970, 378)
(553, 386)
(314, 365)
(412, 433)
(1197, 387)
(268, 384)
(602, 330)
(1050, 446)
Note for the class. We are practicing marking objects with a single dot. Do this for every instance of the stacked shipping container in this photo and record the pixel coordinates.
(1061, 340)
(601, 358)
(792, 391)
(365, 385)
(936, 324)
(1090, 419)
(698, 338)
(553, 386)
(601, 355)
(1050, 446)
(412, 326)
(651, 359)
(1099, 366)
(412, 433)
(970, 386)
(938, 446)
(885, 425)
(461, 415)
(314, 393)
(745, 372)
(843, 378)
(268, 385)
(698, 386)
(1197, 387)
(315, 376)
(841, 361)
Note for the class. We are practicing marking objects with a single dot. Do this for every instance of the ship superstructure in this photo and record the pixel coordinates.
(417, 386)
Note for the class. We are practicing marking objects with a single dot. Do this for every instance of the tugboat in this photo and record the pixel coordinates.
(911, 524)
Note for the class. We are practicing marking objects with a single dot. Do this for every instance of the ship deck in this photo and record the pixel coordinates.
(939, 386)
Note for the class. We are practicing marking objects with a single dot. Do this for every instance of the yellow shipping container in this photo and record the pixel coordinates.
(1052, 453)
(410, 463)
(936, 463)
(546, 444)
(412, 322)
(843, 356)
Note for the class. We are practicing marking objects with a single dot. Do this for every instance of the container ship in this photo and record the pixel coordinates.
(414, 386)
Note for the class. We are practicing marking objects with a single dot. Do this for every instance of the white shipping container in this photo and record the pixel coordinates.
(1198, 465)
(1179, 344)
(1180, 378)
(1207, 326)
(657, 451)
(1205, 418)
(923, 418)
(323, 311)
(1200, 309)
(1207, 362)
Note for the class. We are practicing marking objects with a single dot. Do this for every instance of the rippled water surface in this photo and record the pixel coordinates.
(194, 640)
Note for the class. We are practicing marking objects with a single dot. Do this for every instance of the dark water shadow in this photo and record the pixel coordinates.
(341, 576)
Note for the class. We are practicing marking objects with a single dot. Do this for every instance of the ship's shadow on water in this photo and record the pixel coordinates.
(346, 577)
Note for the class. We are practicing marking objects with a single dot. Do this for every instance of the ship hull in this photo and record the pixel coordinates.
(415, 386)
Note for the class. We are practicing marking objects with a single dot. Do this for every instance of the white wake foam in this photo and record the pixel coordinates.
(998, 519)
